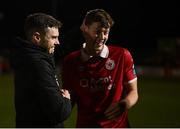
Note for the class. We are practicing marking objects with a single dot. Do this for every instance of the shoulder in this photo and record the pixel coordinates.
(72, 56)
(43, 64)
(118, 49)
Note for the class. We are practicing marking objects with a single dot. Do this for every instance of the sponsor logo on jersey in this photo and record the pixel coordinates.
(98, 84)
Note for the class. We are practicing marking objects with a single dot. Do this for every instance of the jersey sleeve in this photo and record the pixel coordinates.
(130, 73)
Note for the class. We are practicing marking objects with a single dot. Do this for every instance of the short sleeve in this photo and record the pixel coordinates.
(129, 68)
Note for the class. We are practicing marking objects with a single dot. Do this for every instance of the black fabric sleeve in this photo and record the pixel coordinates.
(53, 104)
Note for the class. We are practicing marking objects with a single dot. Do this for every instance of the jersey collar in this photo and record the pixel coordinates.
(104, 53)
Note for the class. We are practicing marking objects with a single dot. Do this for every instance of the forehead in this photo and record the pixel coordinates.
(52, 30)
(97, 26)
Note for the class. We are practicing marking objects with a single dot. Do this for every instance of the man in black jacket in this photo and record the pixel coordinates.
(39, 101)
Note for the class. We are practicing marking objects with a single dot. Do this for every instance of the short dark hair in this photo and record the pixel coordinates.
(39, 22)
(99, 15)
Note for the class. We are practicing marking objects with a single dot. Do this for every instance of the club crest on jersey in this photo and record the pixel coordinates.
(109, 64)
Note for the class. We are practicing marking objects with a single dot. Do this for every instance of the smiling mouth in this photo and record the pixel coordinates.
(100, 42)
(98, 45)
(52, 47)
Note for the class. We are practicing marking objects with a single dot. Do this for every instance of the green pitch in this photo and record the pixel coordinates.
(158, 104)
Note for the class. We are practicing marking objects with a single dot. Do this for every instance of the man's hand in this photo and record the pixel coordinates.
(65, 93)
(115, 110)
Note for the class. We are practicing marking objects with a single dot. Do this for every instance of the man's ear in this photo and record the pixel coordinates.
(83, 27)
(36, 38)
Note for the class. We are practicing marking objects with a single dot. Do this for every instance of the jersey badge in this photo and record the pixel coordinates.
(109, 64)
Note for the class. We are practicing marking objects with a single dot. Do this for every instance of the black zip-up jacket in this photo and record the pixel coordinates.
(38, 102)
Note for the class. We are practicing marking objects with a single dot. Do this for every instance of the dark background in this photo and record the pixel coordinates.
(138, 23)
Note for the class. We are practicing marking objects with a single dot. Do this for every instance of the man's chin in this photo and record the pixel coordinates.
(51, 51)
(99, 47)
(98, 50)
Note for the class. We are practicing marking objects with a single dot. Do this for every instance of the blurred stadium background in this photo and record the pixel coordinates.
(149, 29)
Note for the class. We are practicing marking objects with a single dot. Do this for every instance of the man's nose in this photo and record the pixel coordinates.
(101, 36)
(57, 42)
